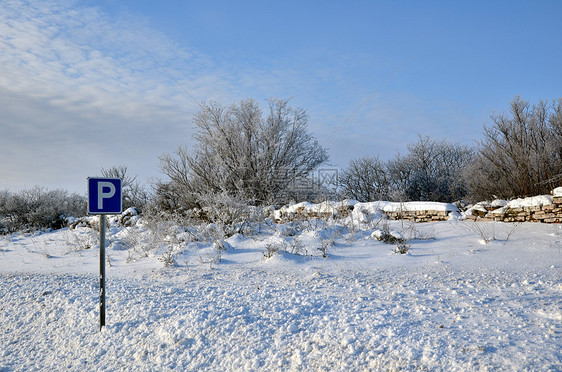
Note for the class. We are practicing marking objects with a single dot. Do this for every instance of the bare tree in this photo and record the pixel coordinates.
(365, 179)
(134, 195)
(240, 152)
(521, 154)
(436, 169)
(430, 171)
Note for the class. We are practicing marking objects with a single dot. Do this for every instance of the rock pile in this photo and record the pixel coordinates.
(543, 208)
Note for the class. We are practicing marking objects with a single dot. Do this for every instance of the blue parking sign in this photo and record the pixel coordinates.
(104, 195)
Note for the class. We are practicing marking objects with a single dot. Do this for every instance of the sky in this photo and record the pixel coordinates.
(86, 85)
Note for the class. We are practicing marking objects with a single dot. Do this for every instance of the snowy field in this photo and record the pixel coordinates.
(269, 301)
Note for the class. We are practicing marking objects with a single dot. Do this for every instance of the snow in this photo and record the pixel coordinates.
(385, 206)
(360, 211)
(328, 208)
(499, 206)
(498, 203)
(450, 303)
(419, 206)
(534, 201)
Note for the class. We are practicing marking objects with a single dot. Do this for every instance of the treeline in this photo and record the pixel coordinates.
(246, 155)
(431, 170)
(267, 160)
(519, 155)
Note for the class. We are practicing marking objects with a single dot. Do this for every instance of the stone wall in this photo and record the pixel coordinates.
(542, 208)
(413, 211)
(419, 216)
(305, 211)
(550, 211)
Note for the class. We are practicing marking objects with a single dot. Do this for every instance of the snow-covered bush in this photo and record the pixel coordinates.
(216, 233)
(295, 246)
(129, 217)
(84, 221)
(271, 250)
(414, 230)
(402, 247)
(213, 255)
(81, 240)
(168, 258)
(156, 231)
(38, 208)
(485, 231)
(324, 245)
(276, 244)
(387, 236)
(392, 237)
(224, 208)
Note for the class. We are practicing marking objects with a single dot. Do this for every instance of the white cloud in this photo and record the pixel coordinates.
(80, 93)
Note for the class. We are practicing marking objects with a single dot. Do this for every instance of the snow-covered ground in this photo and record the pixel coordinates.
(269, 301)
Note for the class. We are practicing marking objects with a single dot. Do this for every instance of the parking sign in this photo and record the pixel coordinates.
(104, 195)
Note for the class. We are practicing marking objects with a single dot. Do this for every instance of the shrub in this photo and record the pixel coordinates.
(38, 208)
(391, 237)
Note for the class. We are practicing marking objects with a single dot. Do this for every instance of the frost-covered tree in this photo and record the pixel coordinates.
(431, 170)
(244, 153)
(521, 153)
(365, 179)
(134, 195)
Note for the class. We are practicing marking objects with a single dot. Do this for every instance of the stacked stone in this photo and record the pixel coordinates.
(551, 213)
(543, 208)
(520, 214)
(548, 212)
(479, 212)
(308, 211)
(419, 216)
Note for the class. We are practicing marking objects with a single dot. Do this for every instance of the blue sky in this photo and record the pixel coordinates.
(83, 86)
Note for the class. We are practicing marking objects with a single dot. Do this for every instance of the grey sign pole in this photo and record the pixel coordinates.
(102, 271)
(105, 196)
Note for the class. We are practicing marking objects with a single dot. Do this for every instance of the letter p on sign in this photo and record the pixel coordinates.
(105, 185)
(104, 196)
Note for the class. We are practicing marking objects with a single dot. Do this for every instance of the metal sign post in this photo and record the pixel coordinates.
(104, 197)
(102, 271)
